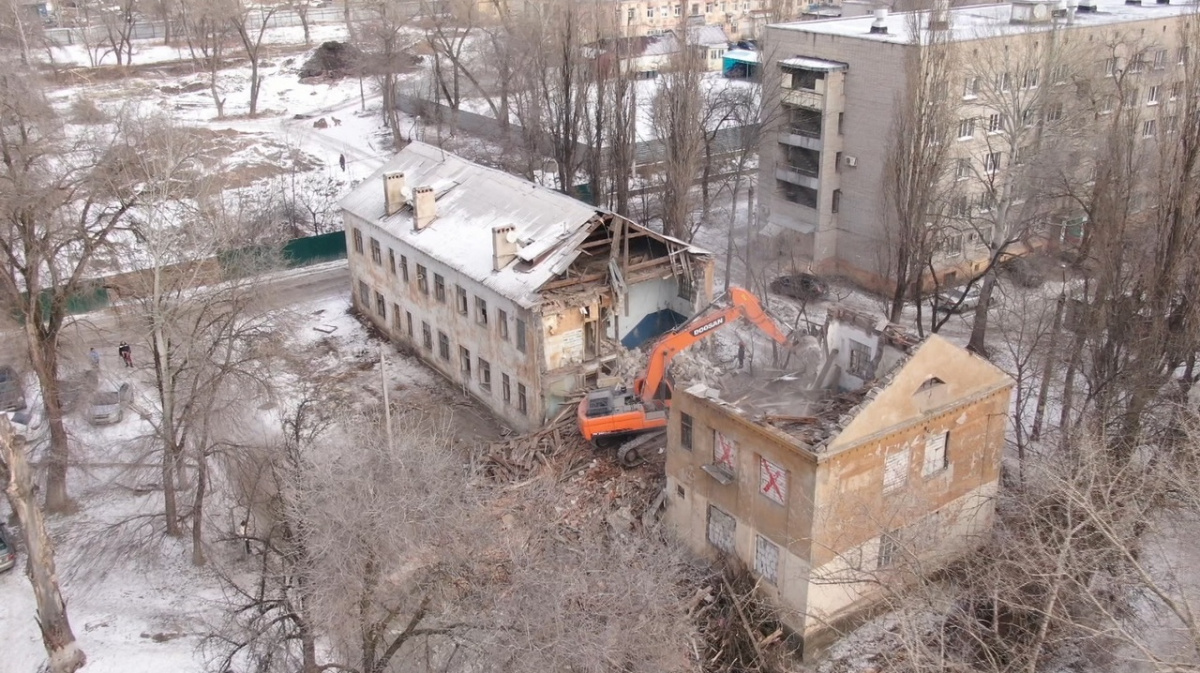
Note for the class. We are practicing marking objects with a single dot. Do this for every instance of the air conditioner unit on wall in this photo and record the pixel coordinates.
(852, 161)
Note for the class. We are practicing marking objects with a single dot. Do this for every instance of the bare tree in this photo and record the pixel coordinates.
(387, 42)
(207, 30)
(242, 17)
(64, 653)
(677, 123)
(61, 202)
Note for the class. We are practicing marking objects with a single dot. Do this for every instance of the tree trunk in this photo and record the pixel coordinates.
(978, 341)
(43, 354)
(65, 655)
(198, 558)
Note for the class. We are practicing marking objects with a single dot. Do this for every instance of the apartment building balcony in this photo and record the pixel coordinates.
(802, 176)
(808, 98)
(801, 138)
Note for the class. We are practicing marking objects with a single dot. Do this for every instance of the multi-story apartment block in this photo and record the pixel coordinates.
(831, 486)
(519, 293)
(741, 19)
(1029, 83)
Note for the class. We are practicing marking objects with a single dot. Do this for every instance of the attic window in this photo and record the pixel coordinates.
(929, 384)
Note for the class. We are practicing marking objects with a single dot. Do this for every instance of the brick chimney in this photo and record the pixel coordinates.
(424, 207)
(504, 246)
(393, 192)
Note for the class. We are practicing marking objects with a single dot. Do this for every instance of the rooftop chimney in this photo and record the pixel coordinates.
(879, 25)
(424, 207)
(504, 246)
(393, 192)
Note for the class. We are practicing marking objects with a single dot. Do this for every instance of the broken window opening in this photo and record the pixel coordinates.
(380, 305)
(460, 299)
(685, 431)
(443, 345)
(505, 388)
(521, 335)
(392, 260)
(404, 268)
(376, 253)
(860, 360)
(522, 403)
(481, 312)
(426, 335)
(439, 288)
(358, 241)
(502, 321)
(485, 375)
(422, 279)
(464, 361)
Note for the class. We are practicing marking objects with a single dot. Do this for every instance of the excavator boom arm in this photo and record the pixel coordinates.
(741, 304)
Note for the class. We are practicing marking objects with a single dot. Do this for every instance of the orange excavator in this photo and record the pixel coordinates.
(611, 415)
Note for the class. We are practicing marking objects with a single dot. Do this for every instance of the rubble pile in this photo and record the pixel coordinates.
(520, 456)
(739, 631)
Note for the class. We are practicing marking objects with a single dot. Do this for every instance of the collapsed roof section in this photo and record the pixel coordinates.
(860, 376)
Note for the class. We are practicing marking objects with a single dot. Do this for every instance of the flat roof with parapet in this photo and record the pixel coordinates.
(978, 22)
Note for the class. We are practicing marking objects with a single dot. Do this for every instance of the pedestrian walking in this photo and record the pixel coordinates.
(94, 357)
(342, 161)
(126, 353)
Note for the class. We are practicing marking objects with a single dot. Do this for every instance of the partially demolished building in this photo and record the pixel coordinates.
(827, 483)
(517, 292)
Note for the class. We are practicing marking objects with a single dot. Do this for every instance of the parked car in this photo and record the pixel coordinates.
(8, 550)
(108, 405)
(959, 299)
(802, 286)
(31, 424)
(12, 391)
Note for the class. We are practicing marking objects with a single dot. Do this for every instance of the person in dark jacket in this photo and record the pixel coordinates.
(126, 353)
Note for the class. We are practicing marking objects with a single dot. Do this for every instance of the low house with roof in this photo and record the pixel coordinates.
(517, 292)
(879, 459)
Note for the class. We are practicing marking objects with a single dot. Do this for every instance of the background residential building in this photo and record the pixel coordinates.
(826, 485)
(1028, 83)
(521, 294)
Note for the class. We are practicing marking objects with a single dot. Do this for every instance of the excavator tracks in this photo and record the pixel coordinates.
(639, 449)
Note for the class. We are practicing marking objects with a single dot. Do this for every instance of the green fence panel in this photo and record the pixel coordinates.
(309, 250)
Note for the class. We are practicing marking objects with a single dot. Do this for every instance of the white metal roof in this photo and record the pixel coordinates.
(813, 64)
(471, 199)
(985, 21)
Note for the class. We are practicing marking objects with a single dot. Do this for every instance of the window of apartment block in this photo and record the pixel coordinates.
(485, 375)
(677, 10)
(772, 481)
(397, 323)
(460, 299)
(722, 529)
(725, 452)
(358, 241)
(1160, 59)
(1004, 81)
(685, 431)
(439, 288)
(364, 294)
(1060, 74)
(1149, 128)
(1133, 97)
(631, 14)
(1028, 116)
(836, 203)
(1110, 67)
(422, 279)
(502, 323)
(464, 361)
(505, 388)
(481, 313)
(649, 12)
(1175, 90)
(1031, 79)
(520, 335)
(966, 128)
(766, 559)
(991, 162)
(695, 9)
(1182, 56)
(841, 122)
(1170, 124)
(962, 168)
(443, 346)
(522, 402)
(426, 335)
(895, 470)
(1137, 64)
(986, 201)
(380, 305)
(376, 252)
(408, 323)
(392, 260)
(1152, 95)
(970, 86)
(404, 268)
(1106, 104)
(995, 123)
(860, 359)
(935, 453)
(960, 207)
(889, 550)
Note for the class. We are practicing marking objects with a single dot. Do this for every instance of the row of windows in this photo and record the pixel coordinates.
(482, 368)
(480, 313)
(1139, 63)
(667, 10)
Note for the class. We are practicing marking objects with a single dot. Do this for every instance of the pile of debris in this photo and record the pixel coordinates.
(739, 631)
(517, 458)
(334, 60)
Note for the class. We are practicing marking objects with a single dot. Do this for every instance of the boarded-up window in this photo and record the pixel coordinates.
(895, 470)
(772, 481)
(766, 559)
(935, 453)
(724, 451)
(721, 529)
